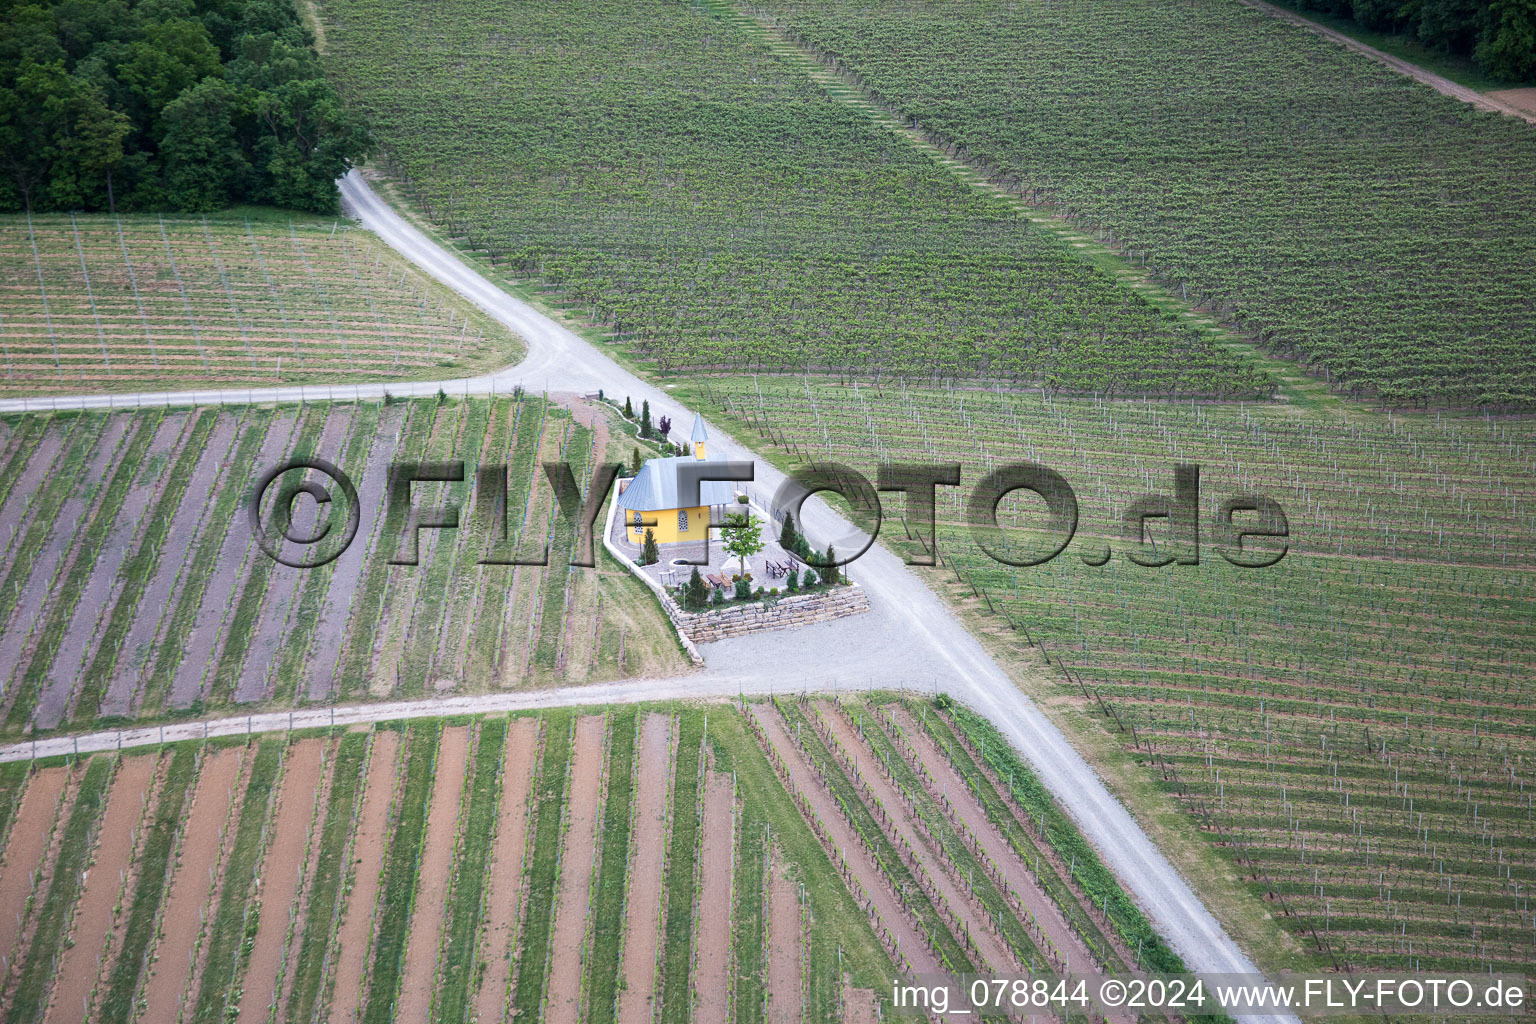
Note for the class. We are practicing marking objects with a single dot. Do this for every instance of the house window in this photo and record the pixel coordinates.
(682, 520)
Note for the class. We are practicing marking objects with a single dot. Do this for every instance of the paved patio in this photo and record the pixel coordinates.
(669, 574)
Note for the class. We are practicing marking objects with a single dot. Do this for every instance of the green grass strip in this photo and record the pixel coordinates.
(613, 864)
(234, 924)
(543, 867)
(202, 560)
(13, 778)
(325, 887)
(139, 569)
(39, 967)
(400, 872)
(247, 611)
(67, 470)
(316, 582)
(144, 916)
(25, 445)
(367, 613)
(1091, 876)
(950, 952)
(467, 900)
(69, 588)
(682, 871)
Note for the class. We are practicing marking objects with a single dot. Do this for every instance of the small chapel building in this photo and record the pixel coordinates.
(654, 497)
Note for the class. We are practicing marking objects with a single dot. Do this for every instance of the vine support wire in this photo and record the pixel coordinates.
(42, 288)
(90, 294)
(185, 302)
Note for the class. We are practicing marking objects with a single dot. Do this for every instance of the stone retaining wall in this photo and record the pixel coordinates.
(754, 617)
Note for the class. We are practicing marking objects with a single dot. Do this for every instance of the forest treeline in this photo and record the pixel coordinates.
(1499, 35)
(167, 104)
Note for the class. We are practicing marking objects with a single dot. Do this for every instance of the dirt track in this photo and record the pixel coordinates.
(643, 908)
(785, 1001)
(279, 880)
(24, 849)
(712, 940)
(355, 936)
(504, 900)
(192, 886)
(433, 875)
(1483, 101)
(568, 940)
(80, 964)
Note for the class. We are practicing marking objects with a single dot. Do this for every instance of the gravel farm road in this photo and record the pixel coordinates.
(909, 638)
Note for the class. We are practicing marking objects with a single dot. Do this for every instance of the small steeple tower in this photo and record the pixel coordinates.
(699, 436)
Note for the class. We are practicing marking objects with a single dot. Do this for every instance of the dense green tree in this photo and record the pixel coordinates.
(204, 167)
(1507, 48)
(108, 104)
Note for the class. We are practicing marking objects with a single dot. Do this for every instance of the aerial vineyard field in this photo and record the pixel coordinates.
(779, 919)
(1352, 726)
(656, 170)
(170, 607)
(94, 303)
(1328, 207)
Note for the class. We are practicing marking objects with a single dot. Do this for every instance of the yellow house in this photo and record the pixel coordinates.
(651, 500)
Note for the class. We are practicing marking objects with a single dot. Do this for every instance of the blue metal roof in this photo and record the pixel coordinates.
(699, 433)
(655, 487)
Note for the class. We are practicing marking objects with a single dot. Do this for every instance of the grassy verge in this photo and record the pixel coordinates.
(325, 888)
(608, 900)
(139, 569)
(30, 999)
(543, 866)
(466, 902)
(399, 890)
(682, 870)
(143, 917)
(234, 924)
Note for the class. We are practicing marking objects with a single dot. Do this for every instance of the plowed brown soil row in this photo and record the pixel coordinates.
(579, 852)
(712, 930)
(433, 876)
(193, 883)
(785, 1002)
(356, 933)
(847, 846)
(903, 823)
(279, 882)
(24, 850)
(504, 901)
(968, 809)
(80, 963)
(643, 908)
